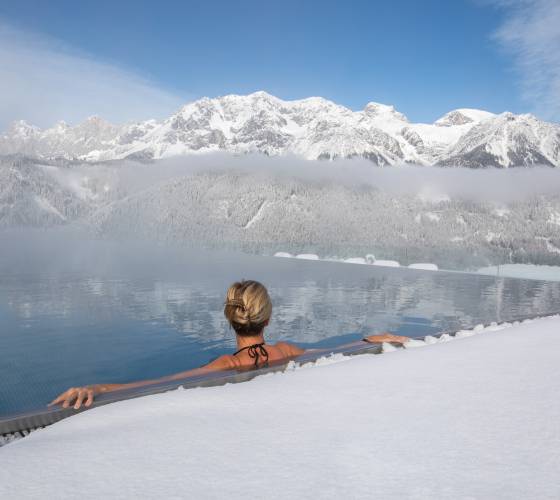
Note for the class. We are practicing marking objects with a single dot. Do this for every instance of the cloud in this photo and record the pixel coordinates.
(43, 81)
(531, 33)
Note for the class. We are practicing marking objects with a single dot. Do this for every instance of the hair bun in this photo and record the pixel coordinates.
(247, 307)
(236, 303)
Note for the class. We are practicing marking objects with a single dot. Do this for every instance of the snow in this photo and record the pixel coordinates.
(507, 140)
(424, 266)
(45, 205)
(525, 271)
(386, 263)
(502, 212)
(432, 216)
(434, 135)
(490, 236)
(554, 218)
(355, 260)
(429, 194)
(469, 418)
(283, 254)
(257, 216)
(475, 115)
(307, 256)
(368, 260)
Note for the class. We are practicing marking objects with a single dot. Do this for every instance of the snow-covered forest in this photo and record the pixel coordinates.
(264, 210)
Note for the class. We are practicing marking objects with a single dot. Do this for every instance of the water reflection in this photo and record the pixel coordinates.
(152, 314)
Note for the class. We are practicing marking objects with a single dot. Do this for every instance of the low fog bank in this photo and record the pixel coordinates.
(454, 217)
(432, 183)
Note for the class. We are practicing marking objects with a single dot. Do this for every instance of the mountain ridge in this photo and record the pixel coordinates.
(313, 128)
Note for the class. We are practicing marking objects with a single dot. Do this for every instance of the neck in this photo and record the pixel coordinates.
(245, 341)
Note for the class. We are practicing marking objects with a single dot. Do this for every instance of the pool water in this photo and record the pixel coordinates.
(97, 311)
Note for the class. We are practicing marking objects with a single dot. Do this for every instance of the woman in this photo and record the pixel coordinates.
(248, 309)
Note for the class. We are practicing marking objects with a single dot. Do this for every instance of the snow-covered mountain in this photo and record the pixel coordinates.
(507, 140)
(313, 128)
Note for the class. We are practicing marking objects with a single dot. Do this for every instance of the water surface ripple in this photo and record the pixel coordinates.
(111, 314)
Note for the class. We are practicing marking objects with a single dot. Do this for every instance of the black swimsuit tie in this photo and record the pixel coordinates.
(255, 351)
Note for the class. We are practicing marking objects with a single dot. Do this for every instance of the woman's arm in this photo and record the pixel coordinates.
(85, 395)
(291, 350)
(372, 339)
(386, 337)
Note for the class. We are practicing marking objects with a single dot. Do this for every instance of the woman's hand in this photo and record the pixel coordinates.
(78, 395)
(387, 337)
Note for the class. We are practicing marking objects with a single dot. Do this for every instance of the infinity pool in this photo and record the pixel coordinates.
(93, 311)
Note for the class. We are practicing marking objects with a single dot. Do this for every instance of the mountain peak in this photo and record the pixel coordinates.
(314, 128)
(463, 116)
(261, 94)
(376, 109)
(507, 140)
(61, 125)
(97, 121)
(22, 128)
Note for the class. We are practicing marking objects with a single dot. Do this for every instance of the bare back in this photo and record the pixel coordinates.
(281, 351)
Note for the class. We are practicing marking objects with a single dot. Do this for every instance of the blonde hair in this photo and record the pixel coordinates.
(247, 307)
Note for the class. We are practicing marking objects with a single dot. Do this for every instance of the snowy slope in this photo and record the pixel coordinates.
(470, 418)
(507, 140)
(32, 196)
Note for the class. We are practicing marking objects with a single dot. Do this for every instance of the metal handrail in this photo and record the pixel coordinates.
(28, 421)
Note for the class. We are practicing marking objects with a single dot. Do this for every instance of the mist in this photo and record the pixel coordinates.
(426, 182)
(456, 218)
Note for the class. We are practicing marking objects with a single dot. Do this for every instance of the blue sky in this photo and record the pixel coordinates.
(425, 57)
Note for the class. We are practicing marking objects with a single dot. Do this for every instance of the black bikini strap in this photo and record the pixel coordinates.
(255, 351)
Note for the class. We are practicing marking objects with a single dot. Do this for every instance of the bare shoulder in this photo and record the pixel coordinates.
(224, 362)
(289, 349)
